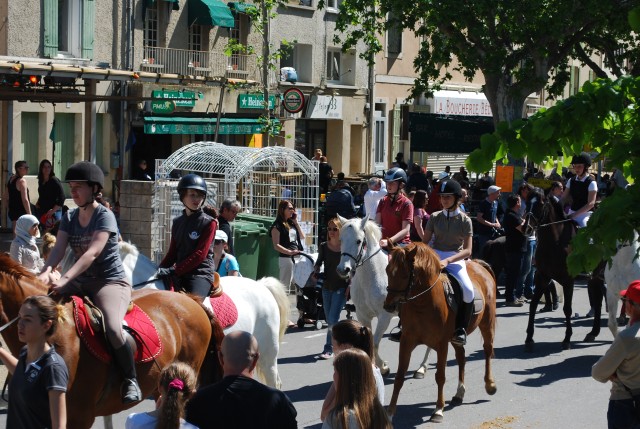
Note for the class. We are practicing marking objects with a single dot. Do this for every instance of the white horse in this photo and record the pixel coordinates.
(263, 306)
(624, 268)
(363, 260)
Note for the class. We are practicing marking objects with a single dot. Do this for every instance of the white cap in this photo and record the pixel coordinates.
(442, 175)
(221, 235)
(493, 189)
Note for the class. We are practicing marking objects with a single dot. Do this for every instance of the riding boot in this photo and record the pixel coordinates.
(395, 336)
(129, 389)
(463, 317)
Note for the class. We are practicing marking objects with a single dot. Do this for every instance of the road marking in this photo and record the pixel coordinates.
(317, 335)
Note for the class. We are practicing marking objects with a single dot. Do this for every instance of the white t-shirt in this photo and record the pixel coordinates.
(371, 200)
(146, 421)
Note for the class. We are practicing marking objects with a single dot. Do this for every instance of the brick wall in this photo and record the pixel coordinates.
(136, 213)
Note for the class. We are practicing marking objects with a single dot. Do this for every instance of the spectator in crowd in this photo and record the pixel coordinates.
(239, 401)
(461, 175)
(400, 161)
(485, 181)
(618, 179)
(50, 196)
(463, 200)
(434, 205)
(515, 249)
(340, 202)
(418, 180)
(141, 172)
(395, 211)
(317, 154)
(325, 173)
(17, 193)
(341, 178)
(189, 260)
(23, 247)
(556, 190)
(334, 287)
(621, 365)
(225, 263)
(228, 212)
(420, 216)
(39, 375)
(356, 403)
(177, 384)
(524, 190)
(286, 236)
(377, 190)
(487, 217)
(348, 334)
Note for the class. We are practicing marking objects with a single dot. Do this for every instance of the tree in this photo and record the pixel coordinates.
(519, 47)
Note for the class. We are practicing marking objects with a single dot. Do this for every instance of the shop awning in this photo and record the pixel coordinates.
(210, 12)
(241, 7)
(447, 134)
(182, 125)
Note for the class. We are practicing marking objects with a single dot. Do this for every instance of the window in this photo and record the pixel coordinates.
(151, 27)
(394, 36)
(333, 65)
(574, 81)
(301, 59)
(340, 67)
(334, 4)
(68, 28)
(238, 34)
(69, 23)
(195, 38)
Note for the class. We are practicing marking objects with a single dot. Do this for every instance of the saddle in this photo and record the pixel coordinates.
(223, 307)
(453, 294)
(137, 324)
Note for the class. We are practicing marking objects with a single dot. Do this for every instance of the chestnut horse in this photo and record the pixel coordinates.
(94, 387)
(416, 281)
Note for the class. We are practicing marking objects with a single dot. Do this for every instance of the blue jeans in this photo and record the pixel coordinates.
(528, 270)
(333, 303)
(622, 415)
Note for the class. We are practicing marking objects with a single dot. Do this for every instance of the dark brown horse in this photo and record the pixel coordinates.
(415, 280)
(94, 387)
(555, 232)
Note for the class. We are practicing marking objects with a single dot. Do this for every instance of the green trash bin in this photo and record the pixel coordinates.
(247, 238)
(268, 262)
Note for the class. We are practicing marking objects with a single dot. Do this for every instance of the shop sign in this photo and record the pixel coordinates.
(254, 101)
(204, 128)
(293, 100)
(325, 107)
(163, 106)
(180, 98)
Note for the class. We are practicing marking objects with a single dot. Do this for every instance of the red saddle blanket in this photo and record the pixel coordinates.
(225, 310)
(148, 342)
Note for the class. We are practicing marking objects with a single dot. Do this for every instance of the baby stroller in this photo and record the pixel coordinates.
(308, 291)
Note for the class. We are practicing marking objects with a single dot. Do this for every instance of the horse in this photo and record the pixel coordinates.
(263, 306)
(362, 259)
(416, 282)
(555, 231)
(93, 390)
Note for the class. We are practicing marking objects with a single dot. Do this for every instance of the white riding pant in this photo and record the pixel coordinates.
(582, 219)
(458, 270)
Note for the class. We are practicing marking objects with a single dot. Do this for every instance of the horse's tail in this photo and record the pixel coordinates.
(211, 369)
(277, 290)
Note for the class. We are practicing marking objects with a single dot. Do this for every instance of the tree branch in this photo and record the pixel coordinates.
(582, 55)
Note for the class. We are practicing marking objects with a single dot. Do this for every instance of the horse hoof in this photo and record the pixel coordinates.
(418, 375)
(566, 345)
(528, 347)
(385, 370)
(590, 338)
(492, 389)
(456, 400)
(436, 418)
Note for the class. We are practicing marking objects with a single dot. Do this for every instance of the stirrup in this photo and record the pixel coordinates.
(395, 336)
(130, 391)
(459, 337)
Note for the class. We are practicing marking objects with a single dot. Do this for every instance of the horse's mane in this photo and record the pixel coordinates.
(372, 232)
(128, 248)
(426, 263)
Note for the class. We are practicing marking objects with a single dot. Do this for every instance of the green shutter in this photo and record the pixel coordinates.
(50, 28)
(572, 82)
(100, 141)
(396, 129)
(88, 28)
(64, 142)
(29, 140)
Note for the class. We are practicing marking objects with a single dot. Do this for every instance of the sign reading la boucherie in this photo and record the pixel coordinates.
(180, 98)
(254, 101)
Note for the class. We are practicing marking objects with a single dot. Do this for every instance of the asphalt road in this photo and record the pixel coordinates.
(549, 388)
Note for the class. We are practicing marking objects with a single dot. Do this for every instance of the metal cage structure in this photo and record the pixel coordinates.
(257, 177)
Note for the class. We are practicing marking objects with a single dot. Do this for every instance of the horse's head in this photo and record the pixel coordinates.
(535, 202)
(400, 275)
(353, 242)
(16, 283)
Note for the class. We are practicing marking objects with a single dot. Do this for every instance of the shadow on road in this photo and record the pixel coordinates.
(575, 367)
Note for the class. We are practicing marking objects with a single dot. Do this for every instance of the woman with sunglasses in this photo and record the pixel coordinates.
(226, 264)
(621, 365)
(334, 287)
(286, 237)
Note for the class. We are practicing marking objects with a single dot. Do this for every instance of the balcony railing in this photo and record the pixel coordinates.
(198, 63)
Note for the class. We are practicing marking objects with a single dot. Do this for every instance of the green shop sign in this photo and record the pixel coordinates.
(181, 98)
(163, 106)
(254, 101)
(172, 125)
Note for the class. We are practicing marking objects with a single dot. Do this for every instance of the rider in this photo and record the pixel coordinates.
(582, 189)
(395, 210)
(453, 233)
(92, 232)
(189, 259)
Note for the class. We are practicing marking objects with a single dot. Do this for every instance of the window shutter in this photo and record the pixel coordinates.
(396, 129)
(50, 28)
(88, 28)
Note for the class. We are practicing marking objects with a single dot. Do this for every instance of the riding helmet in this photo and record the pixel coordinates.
(192, 181)
(396, 174)
(583, 158)
(451, 187)
(85, 171)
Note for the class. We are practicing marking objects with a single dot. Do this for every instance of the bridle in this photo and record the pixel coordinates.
(358, 259)
(407, 291)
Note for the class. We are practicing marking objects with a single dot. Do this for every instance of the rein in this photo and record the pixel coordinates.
(409, 288)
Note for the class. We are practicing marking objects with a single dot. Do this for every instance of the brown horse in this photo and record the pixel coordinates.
(415, 280)
(94, 387)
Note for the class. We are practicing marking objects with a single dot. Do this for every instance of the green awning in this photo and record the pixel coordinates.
(447, 134)
(210, 12)
(241, 7)
(174, 6)
(182, 125)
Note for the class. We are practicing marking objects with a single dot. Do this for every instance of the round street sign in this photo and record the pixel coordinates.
(293, 100)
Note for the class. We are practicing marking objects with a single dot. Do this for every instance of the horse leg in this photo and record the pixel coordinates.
(108, 422)
(567, 289)
(403, 364)
(384, 318)
(441, 366)
(422, 369)
(613, 311)
(594, 288)
(542, 282)
(460, 358)
(488, 329)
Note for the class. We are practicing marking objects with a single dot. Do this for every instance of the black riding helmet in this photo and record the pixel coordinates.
(192, 181)
(583, 158)
(450, 187)
(396, 174)
(85, 171)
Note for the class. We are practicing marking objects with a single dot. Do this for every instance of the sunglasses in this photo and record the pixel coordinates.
(332, 229)
(218, 242)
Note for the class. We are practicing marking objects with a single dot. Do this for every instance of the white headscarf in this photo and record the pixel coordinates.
(23, 225)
